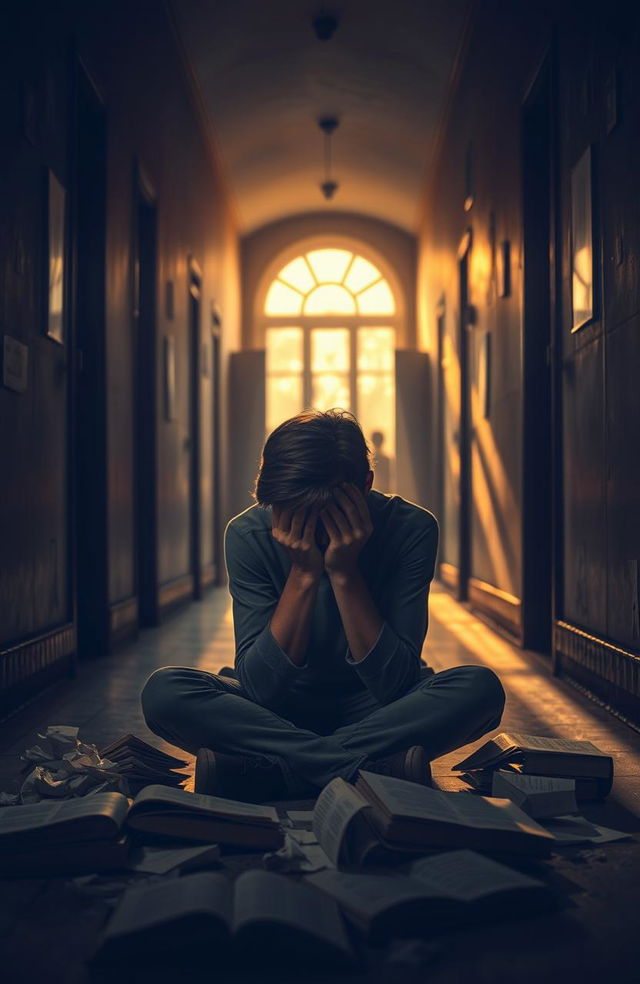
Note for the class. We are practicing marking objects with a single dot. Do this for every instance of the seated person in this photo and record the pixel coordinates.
(330, 583)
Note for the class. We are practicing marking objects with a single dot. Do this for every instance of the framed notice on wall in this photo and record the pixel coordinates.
(56, 231)
(582, 252)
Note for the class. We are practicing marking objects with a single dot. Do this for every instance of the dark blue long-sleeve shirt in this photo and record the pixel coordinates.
(397, 563)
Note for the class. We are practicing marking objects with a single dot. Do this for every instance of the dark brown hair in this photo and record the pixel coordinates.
(306, 456)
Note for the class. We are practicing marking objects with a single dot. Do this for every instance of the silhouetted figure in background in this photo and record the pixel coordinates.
(330, 582)
(382, 463)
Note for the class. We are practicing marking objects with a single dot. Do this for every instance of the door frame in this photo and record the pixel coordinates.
(216, 457)
(144, 338)
(465, 321)
(195, 424)
(441, 327)
(88, 383)
(542, 441)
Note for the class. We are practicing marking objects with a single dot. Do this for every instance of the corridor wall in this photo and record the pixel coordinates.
(592, 66)
(132, 56)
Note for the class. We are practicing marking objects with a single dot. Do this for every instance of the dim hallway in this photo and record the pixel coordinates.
(591, 937)
(217, 214)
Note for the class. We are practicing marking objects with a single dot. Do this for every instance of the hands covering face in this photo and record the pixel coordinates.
(348, 526)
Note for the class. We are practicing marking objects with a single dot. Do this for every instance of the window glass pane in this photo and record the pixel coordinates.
(330, 350)
(361, 274)
(329, 264)
(330, 390)
(376, 413)
(284, 399)
(284, 350)
(375, 349)
(330, 299)
(282, 300)
(297, 274)
(377, 299)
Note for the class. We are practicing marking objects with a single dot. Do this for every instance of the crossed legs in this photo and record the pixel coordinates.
(193, 709)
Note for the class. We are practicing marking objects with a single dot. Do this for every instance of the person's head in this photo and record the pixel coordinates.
(377, 439)
(307, 456)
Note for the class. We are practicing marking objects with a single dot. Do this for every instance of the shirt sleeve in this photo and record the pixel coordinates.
(264, 670)
(392, 665)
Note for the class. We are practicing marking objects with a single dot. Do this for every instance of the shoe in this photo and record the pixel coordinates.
(249, 778)
(410, 764)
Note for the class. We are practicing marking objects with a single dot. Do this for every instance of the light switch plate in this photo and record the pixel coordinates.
(15, 364)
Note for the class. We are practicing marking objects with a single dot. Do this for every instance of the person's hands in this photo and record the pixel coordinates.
(348, 523)
(295, 531)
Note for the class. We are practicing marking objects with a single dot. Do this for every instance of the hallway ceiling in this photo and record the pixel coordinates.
(266, 79)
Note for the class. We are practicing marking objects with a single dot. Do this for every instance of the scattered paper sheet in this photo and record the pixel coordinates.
(160, 860)
(300, 816)
(64, 767)
(577, 829)
(296, 856)
(303, 836)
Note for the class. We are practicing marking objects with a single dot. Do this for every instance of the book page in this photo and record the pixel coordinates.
(367, 896)
(538, 796)
(409, 799)
(160, 903)
(414, 802)
(467, 876)
(20, 819)
(539, 743)
(335, 808)
(532, 785)
(160, 860)
(495, 750)
(264, 896)
(217, 805)
(579, 830)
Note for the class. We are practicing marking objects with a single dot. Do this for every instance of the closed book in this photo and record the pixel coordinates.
(542, 756)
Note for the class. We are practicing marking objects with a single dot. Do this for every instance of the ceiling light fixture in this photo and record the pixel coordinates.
(324, 25)
(328, 125)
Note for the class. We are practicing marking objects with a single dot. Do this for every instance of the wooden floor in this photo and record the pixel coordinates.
(48, 929)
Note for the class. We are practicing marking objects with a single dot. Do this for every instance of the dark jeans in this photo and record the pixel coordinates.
(315, 740)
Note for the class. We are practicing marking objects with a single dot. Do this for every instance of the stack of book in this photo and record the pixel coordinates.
(573, 771)
(142, 764)
(96, 832)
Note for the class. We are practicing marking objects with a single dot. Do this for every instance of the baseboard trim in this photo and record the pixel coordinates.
(123, 620)
(450, 576)
(609, 671)
(29, 666)
(175, 592)
(501, 606)
(208, 575)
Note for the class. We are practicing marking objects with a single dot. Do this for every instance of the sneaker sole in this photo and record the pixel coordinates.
(205, 774)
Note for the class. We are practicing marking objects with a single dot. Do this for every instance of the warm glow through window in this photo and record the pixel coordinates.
(327, 345)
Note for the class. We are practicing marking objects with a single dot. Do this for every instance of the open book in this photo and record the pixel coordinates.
(542, 756)
(382, 818)
(266, 917)
(157, 810)
(407, 813)
(442, 890)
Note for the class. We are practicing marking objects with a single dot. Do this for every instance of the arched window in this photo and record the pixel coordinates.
(330, 320)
